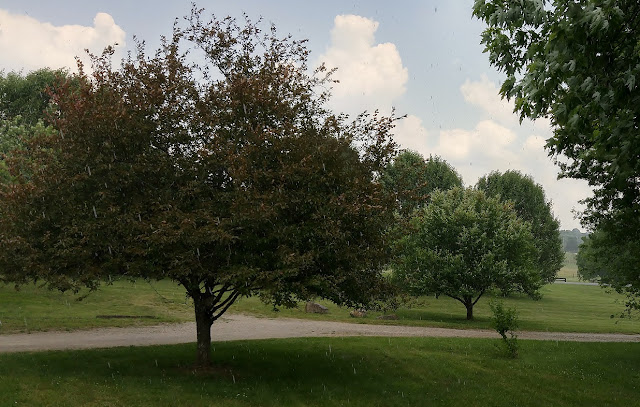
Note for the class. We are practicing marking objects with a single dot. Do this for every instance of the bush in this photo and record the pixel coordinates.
(505, 321)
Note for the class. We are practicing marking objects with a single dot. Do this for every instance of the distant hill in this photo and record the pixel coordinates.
(571, 239)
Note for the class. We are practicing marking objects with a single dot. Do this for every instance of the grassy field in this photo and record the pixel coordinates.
(570, 269)
(573, 308)
(330, 372)
(36, 309)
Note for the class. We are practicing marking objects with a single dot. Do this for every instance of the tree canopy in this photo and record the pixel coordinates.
(578, 64)
(23, 104)
(463, 244)
(530, 203)
(411, 179)
(27, 96)
(228, 176)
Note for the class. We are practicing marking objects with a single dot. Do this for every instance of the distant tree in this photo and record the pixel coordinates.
(531, 205)
(463, 244)
(13, 133)
(612, 263)
(577, 63)
(24, 101)
(411, 179)
(231, 178)
(27, 96)
(571, 244)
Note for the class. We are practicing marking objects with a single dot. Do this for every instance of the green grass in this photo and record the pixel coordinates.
(563, 308)
(330, 372)
(569, 269)
(571, 308)
(37, 309)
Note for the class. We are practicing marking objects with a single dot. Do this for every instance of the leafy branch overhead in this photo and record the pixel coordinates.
(578, 64)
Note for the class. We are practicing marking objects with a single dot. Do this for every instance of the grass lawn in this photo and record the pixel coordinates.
(330, 372)
(38, 309)
(570, 268)
(572, 308)
(563, 308)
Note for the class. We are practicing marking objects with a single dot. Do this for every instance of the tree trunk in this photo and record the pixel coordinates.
(469, 306)
(204, 320)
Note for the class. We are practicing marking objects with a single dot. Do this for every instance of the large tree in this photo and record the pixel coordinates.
(531, 205)
(213, 163)
(411, 179)
(463, 244)
(578, 64)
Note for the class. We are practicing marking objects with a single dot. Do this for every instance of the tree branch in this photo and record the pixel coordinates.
(226, 304)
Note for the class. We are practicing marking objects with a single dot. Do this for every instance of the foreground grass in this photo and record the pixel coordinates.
(571, 308)
(330, 372)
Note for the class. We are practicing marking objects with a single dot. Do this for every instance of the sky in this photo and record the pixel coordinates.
(421, 57)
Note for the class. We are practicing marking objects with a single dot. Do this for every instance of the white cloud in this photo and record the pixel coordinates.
(410, 134)
(485, 95)
(498, 142)
(371, 75)
(28, 44)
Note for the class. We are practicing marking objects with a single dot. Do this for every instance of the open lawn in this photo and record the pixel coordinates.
(570, 269)
(564, 307)
(330, 372)
(121, 304)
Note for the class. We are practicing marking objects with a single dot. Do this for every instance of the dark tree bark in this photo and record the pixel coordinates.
(204, 321)
(469, 312)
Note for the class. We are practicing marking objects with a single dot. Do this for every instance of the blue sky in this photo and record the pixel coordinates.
(422, 57)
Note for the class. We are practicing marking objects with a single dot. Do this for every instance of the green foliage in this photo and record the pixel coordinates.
(14, 133)
(531, 205)
(231, 178)
(612, 263)
(578, 63)
(411, 179)
(505, 321)
(23, 105)
(465, 243)
(27, 96)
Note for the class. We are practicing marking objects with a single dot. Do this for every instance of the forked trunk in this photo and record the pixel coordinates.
(468, 303)
(204, 320)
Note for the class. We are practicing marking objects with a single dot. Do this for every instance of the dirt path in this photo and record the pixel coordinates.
(234, 327)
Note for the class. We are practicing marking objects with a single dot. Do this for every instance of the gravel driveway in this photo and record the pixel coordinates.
(234, 327)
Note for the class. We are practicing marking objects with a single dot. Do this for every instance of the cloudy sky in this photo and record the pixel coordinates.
(421, 57)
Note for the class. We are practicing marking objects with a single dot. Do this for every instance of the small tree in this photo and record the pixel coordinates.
(531, 205)
(229, 177)
(463, 244)
(505, 321)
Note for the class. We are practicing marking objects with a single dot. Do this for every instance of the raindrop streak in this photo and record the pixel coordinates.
(94, 212)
